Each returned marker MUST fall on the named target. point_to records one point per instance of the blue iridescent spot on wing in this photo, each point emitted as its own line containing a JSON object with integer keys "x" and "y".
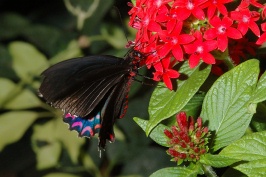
{"x": 85, "y": 126}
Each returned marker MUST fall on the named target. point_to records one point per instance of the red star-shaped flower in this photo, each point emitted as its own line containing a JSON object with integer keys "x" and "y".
{"x": 184, "y": 8}
{"x": 222, "y": 30}
{"x": 172, "y": 41}
{"x": 246, "y": 3}
{"x": 214, "y": 5}
{"x": 200, "y": 49}
{"x": 164, "y": 72}
{"x": 246, "y": 20}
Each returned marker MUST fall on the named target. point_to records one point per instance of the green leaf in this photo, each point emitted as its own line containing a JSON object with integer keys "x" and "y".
{"x": 48, "y": 155}
{"x": 111, "y": 33}
{"x": 217, "y": 161}
{"x": 260, "y": 92}
{"x": 69, "y": 139}
{"x": 157, "y": 133}
{"x": 165, "y": 103}
{"x": 231, "y": 172}
{"x": 258, "y": 121}
{"x": 48, "y": 39}
{"x": 12, "y": 25}
{"x": 6, "y": 69}
{"x": 249, "y": 148}
{"x": 13, "y": 125}
{"x": 45, "y": 145}
{"x": 14, "y": 97}
{"x": 193, "y": 107}
{"x": 174, "y": 172}
{"x": 226, "y": 105}
{"x": 72, "y": 51}
{"x": 254, "y": 168}
{"x": 96, "y": 18}
{"x": 27, "y": 60}
{"x": 133, "y": 2}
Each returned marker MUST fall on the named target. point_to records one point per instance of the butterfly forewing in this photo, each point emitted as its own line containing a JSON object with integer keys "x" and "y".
{"x": 78, "y": 85}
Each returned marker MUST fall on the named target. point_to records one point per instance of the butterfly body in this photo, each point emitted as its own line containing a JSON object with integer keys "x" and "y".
{"x": 92, "y": 91}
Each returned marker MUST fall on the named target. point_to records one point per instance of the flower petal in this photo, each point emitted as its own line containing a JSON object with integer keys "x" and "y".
{"x": 222, "y": 42}
{"x": 210, "y": 34}
{"x": 185, "y": 38}
{"x": 198, "y": 13}
{"x": 210, "y": 45}
{"x": 167, "y": 82}
{"x": 243, "y": 28}
{"x": 254, "y": 28}
{"x": 208, "y": 58}
{"x": 233, "y": 33}
{"x": 177, "y": 52}
{"x": 173, "y": 73}
{"x": 262, "y": 39}
{"x": 193, "y": 60}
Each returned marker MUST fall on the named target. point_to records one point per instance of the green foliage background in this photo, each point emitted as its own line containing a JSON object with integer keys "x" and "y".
{"x": 34, "y": 141}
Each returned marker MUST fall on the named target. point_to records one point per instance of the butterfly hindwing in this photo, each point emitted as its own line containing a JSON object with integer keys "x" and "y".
{"x": 112, "y": 110}
{"x": 85, "y": 126}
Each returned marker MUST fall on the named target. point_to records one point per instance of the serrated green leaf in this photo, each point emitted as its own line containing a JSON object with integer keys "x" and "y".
{"x": 13, "y": 96}
{"x": 13, "y": 125}
{"x": 217, "y": 161}
{"x": 254, "y": 168}
{"x": 226, "y": 105}
{"x": 250, "y": 147}
{"x": 174, "y": 172}
{"x": 157, "y": 134}
{"x": 165, "y": 103}
{"x": 260, "y": 92}
{"x": 27, "y": 60}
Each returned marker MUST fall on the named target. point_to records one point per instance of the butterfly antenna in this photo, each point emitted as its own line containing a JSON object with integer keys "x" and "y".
{"x": 123, "y": 26}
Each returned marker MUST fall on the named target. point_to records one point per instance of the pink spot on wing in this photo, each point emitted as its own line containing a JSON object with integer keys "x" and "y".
{"x": 77, "y": 124}
{"x": 87, "y": 129}
{"x": 69, "y": 115}
{"x": 112, "y": 137}
{"x": 97, "y": 126}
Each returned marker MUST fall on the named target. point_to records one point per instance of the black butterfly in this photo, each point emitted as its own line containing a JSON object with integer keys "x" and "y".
{"x": 92, "y": 91}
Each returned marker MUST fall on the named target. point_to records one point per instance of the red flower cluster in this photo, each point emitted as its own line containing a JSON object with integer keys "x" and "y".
{"x": 188, "y": 140}
{"x": 170, "y": 31}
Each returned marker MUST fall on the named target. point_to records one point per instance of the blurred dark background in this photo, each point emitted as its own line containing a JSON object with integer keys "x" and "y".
{"x": 34, "y": 141}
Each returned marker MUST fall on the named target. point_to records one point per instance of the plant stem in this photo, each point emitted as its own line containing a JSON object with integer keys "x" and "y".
{"x": 229, "y": 62}
{"x": 79, "y": 13}
{"x": 208, "y": 171}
